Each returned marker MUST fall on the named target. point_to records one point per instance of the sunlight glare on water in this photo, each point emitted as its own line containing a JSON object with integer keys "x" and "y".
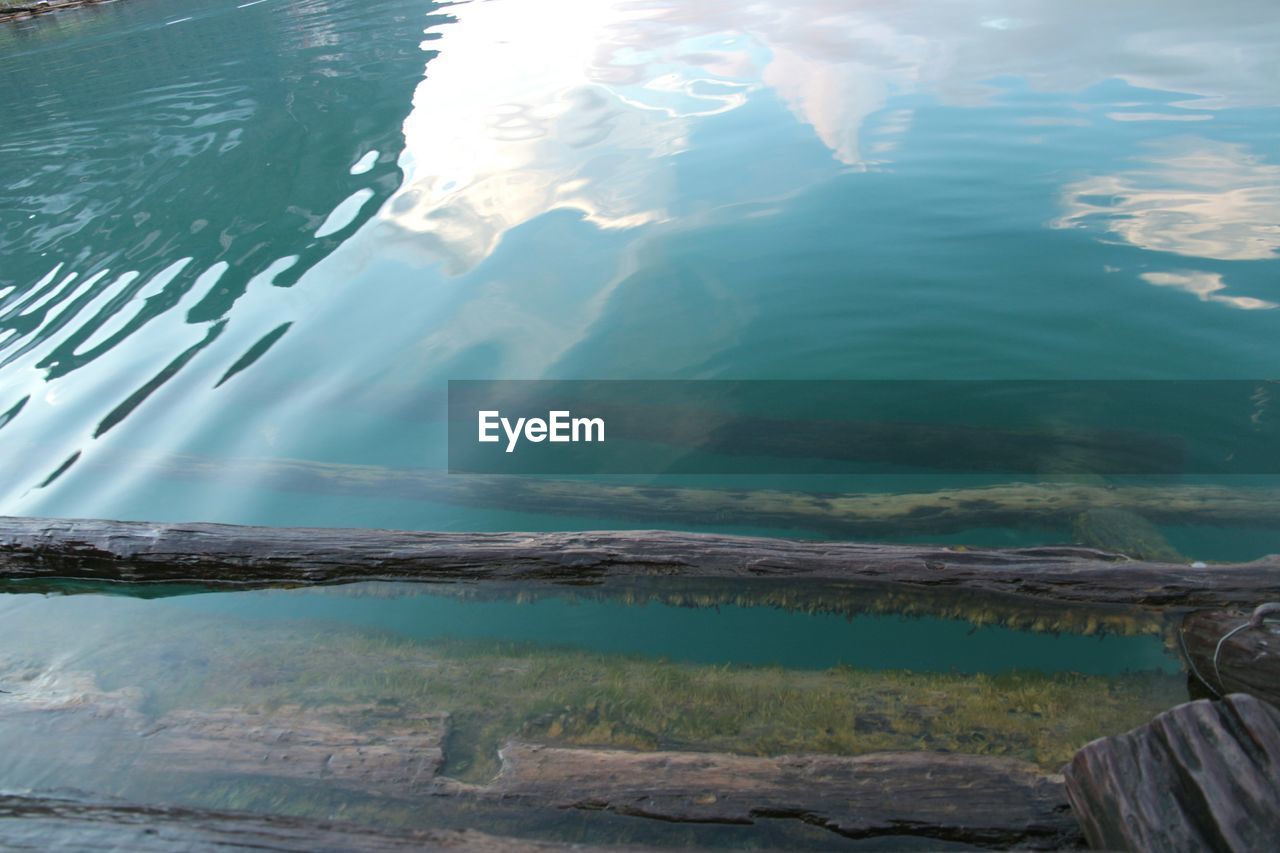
{"x": 273, "y": 231}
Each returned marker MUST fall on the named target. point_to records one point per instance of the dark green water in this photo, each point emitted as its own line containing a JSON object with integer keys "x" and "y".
{"x": 275, "y": 230}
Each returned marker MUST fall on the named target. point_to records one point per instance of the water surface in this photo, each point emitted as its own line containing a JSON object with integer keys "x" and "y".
{"x": 275, "y": 230}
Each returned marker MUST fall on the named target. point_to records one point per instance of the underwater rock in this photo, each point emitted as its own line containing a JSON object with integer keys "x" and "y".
{"x": 1202, "y": 776}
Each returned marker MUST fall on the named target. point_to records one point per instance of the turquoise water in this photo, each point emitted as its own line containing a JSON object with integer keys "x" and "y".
{"x": 245, "y": 246}
{"x": 236, "y": 233}
{"x": 725, "y": 635}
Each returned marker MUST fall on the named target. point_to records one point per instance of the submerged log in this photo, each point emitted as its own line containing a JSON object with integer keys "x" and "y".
{"x": 19, "y": 12}
{"x": 1233, "y": 654}
{"x": 356, "y": 748}
{"x": 103, "y": 738}
{"x": 869, "y": 514}
{"x": 234, "y": 555}
{"x": 48, "y": 823}
{"x": 981, "y": 800}
{"x": 1203, "y": 776}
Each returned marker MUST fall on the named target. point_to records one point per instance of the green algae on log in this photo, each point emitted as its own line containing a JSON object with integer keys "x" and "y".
{"x": 237, "y": 555}
{"x": 867, "y": 514}
{"x": 981, "y": 800}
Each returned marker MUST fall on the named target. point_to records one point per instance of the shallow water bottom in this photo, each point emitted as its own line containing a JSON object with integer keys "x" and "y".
{"x": 359, "y": 702}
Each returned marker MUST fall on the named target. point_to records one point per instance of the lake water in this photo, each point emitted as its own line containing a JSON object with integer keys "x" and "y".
{"x": 215, "y": 699}
{"x": 244, "y": 246}
{"x": 242, "y": 233}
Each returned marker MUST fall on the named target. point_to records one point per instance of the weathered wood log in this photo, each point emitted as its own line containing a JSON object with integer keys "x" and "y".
{"x": 982, "y": 800}
{"x": 320, "y": 745}
{"x": 870, "y": 514}
{"x": 1248, "y": 660}
{"x": 11, "y": 13}
{"x": 100, "y": 735}
{"x": 234, "y": 555}
{"x": 1203, "y": 776}
{"x": 47, "y": 823}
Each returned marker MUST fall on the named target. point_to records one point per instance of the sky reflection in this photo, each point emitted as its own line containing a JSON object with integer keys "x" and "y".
{"x": 308, "y": 223}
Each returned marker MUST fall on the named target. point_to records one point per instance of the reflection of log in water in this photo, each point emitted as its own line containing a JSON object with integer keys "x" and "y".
{"x": 1018, "y": 505}
{"x": 141, "y": 552}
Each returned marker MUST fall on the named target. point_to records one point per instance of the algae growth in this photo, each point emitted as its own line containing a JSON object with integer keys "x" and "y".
{"x": 498, "y": 691}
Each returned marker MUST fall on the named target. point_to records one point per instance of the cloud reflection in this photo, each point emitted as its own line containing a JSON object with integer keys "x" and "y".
{"x": 1207, "y": 286}
{"x": 582, "y": 104}
{"x": 1194, "y": 197}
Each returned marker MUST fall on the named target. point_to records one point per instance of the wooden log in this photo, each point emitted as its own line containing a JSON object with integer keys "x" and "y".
{"x": 865, "y": 515}
{"x": 1203, "y": 776}
{"x": 1248, "y": 659}
{"x": 320, "y": 745}
{"x": 48, "y": 823}
{"x": 981, "y": 800}
{"x": 99, "y": 735}
{"x": 232, "y": 555}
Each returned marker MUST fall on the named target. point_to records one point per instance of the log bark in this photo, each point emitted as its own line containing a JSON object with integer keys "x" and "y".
{"x": 13, "y": 13}
{"x": 232, "y": 555}
{"x": 46, "y": 823}
{"x": 981, "y": 800}
{"x": 1203, "y": 776}
{"x": 1249, "y": 660}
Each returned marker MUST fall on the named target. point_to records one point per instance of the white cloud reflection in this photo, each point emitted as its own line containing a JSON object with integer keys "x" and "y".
{"x": 1193, "y": 197}
{"x": 1207, "y": 286}
{"x": 582, "y": 104}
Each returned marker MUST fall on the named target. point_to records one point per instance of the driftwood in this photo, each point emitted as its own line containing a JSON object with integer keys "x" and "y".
{"x": 869, "y": 514}
{"x": 354, "y": 748}
{"x": 98, "y": 735}
{"x": 1248, "y": 660}
{"x": 983, "y": 800}
{"x": 1203, "y": 776}
{"x": 46, "y": 823}
{"x": 234, "y": 555}
{"x": 17, "y": 13}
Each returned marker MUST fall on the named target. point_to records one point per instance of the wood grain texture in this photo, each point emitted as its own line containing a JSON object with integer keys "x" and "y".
{"x": 1203, "y": 776}
{"x": 231, "y": 555}
{"x": 47, "y": 823}
{"x": 1249, "y": 661}
{"x": 981, "y": 800}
